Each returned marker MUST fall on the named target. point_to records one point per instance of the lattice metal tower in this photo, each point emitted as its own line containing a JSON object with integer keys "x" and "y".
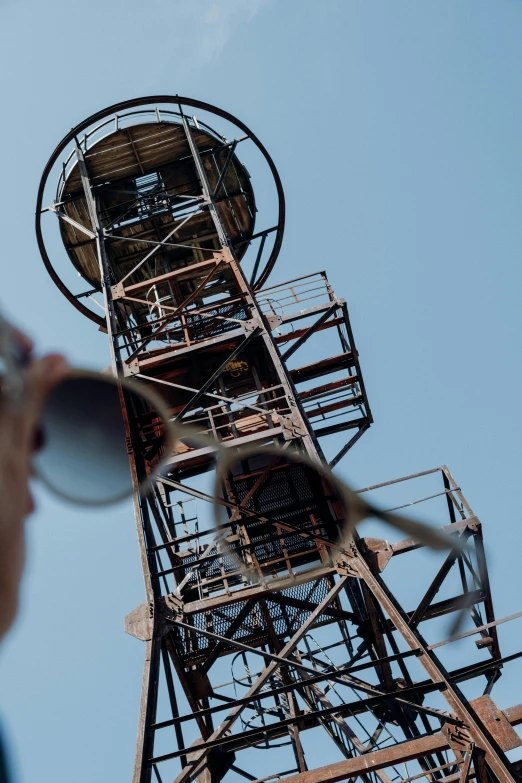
{"x": 316, "y": 672}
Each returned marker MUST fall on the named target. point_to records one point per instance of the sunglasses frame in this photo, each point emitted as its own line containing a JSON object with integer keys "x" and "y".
{"x": 357, "y": 507}
{"x": 225, "y": 456}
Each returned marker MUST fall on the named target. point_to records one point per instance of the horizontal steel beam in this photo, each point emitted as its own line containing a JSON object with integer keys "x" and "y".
{"x": 379, "y": 759}
{"x": 373, "y": 760}
{"x": 189, "y": 271}
{"x": 409, "y": 544}
{"x": 208, "y": 604}
{"x": 177, "y": 353}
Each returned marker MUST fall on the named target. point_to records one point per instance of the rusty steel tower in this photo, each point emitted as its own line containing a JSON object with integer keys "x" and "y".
{"x": 323, "y": 669}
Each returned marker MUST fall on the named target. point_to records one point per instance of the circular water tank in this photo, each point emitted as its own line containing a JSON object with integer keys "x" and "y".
{"x": 145, "y": 181}
{"x": 151, "y": 213}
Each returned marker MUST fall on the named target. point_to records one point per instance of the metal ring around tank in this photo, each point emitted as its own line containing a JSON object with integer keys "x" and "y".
{"x": 114, "y": 109}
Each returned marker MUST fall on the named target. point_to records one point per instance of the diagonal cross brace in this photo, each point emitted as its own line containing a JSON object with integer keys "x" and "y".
{"x": 228, "y": 161}
{"x": 311, "y": 329}
{"x": 434, "y": 588}
{"x": 194, "y": 767}
{"x": 234, "y": 626}
{"x": 218, "y": 397}
{"x": 344, "y": 678}
{"x": 464, "y": 771}
{"x": 320, "y": 695}
{"x": 86, "y": 182}
{"x": 157, "y": 247}
{"x": 206, "y": 386}
{"x": 176, "y": 311}
{"x": 74, "y": 223}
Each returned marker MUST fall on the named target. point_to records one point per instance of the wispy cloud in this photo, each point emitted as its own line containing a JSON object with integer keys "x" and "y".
{"x": 221, "y": 19}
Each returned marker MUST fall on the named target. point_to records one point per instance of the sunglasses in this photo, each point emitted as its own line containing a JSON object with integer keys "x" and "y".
{"x": 284, "y": 499}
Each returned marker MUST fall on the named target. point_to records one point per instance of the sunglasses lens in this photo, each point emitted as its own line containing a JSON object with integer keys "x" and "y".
{"x": 289, "y": 516}
{"x": 82, "y": 441}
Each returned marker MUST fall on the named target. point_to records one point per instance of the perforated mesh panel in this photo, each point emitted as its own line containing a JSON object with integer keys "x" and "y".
{"x": 208, "y": 325}
{"x": 253, "y": 629}
{"x": 293, "y": 494}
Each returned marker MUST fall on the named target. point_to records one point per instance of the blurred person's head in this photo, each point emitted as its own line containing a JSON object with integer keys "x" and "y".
{"x": 18, "y": 427}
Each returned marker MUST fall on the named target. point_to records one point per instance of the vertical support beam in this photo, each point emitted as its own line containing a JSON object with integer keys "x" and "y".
{"x": 258, "y": 259}
{"x": 488, "y": 602}
{"x": 105, "y": 278}
{"x": 148, "y": 704}
{"x": 434, "y": 588}
{"x": 173, "y": 701}
{"x": 203, "y": 181}
{"x": 479, "y": 762}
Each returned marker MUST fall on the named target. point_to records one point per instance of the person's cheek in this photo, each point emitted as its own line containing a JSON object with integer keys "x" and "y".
{"x": 18, "y": 554}
{"x": 11, "y": 569}
{"x": 30, "y": 507}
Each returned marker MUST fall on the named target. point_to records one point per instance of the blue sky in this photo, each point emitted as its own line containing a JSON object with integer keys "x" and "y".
{"x": 396, "y": 129}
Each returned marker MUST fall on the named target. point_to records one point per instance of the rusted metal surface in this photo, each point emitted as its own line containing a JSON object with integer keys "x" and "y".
{"x": 157, "y": 212}
{"x": 514, "y": 714}
{"x": 380, "y": 759}
{"x": 496, "y": 722}
{"x": 138, "y": 103}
